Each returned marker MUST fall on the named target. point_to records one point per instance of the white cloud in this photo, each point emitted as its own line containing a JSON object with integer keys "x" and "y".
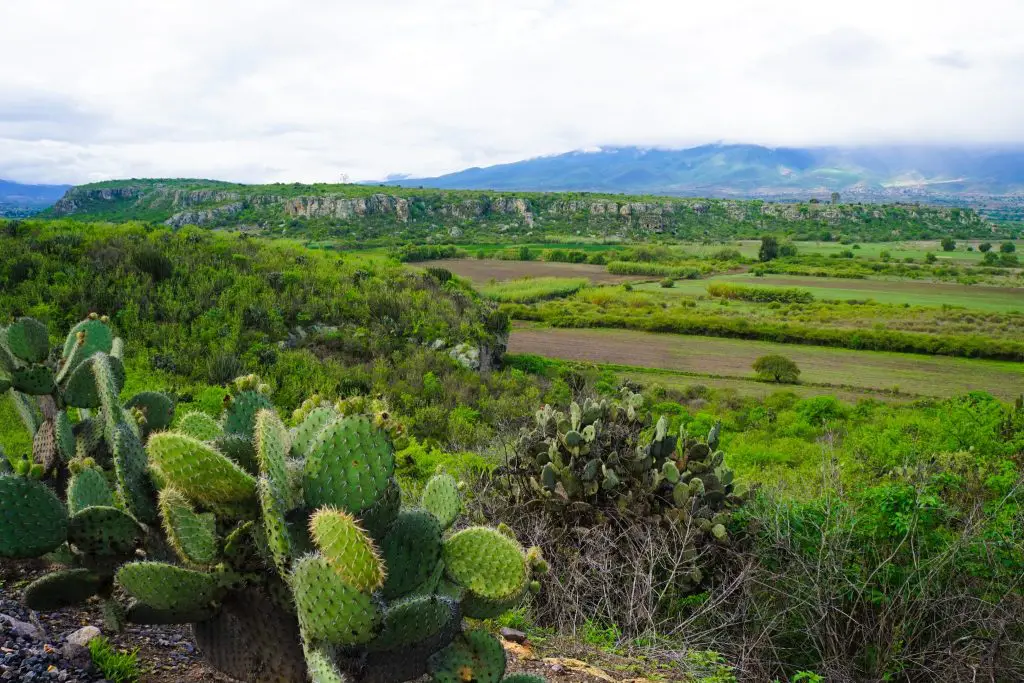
{"x": 278, "y": 90}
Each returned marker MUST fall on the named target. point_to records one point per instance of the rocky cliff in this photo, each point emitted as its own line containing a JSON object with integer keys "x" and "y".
{"x": 179, "y": 203}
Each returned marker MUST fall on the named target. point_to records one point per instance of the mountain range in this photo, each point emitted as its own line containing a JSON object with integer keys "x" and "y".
{"x": 875, "y": 172}
{"x": 17, "y": 199}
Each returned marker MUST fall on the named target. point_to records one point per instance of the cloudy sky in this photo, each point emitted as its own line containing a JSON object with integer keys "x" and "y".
{"x": 275, "y": 90}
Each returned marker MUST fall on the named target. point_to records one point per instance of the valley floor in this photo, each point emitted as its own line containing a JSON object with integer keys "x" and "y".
{"x": 856, "y": 371}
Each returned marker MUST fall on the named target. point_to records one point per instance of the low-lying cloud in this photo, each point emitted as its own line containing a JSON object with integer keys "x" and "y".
{"x": 313, "y": 90}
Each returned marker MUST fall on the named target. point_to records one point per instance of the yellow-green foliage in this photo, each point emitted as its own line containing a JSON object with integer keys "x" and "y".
{"x": 533, "y": 289}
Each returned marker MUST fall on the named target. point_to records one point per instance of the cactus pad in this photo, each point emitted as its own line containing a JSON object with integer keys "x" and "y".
{"x": 34, "y": 380}
{"x": 320, "y": 667}
{"x": 489, "y": 564}
{"x": 411, "y": 549}
{"x": 32, "y": 519}
{"x": 346, "y": 546}
{"x": 272, "y": 444}
{"x": 156, "y": 406}
{"x": 199, "y": 471}
{"x": 87, "y": 488}
{"x": 381, "y": 515}
{"x": 328, "y": 608}
{"x": 241, "y": 414}
{"x": 96, "y": 336}
{"x": 192, "y": 535}
{"x": 275, "y": 524}
{"x": 199, "y": 425}
{"x": 65, "y": 433}
{"x": 130, "y": 467}
{"x": 410, "y": 621}
{"x": 141, "y": 613}
{"x": 28, "y": 340}
{"x": 474, "y": 656}
{"x": 239, "y": 450}
{"x": 62, "y": 589}
{"x": 101, "y": 531}
{"x": 308, "y": 430}
{"x": 349, "y": 466}
{"x": 441, "y": 498}
{"x": 166, "y": 587}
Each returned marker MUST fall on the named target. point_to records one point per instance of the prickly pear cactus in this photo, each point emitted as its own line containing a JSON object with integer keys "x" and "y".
{"x": 57, "y": 499}
{"x": 606, "y": 457}
{"x": 317, "y": 543}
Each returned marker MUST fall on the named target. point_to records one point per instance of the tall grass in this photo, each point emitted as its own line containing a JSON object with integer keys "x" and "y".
{"x": 528, "y": 290}
{"x": 687, "y": 272}
{"x": 786, "y": 295}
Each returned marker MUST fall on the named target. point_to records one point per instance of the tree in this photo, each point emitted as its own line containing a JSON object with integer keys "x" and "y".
{"x": 769, "y": 248}
{"x": 775, "y": 368}
{"x": 929, "y": 257}
{"x": 990, "y": 259}
{"x": 1007, "y": 247}
{"x": 985, "y": 247}
{"x": 835, "y": 197}
{"x": 948, "y": 244}
{"x": 787, "y": 249}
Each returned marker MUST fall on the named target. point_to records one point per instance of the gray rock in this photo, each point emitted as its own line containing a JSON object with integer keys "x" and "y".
{"x": 23, "y": 628}
{"x": 512, "y": 635}
{"x": 76, "y": 646}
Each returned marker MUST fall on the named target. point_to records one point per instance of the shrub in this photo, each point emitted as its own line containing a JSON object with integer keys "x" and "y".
{"x": 948, "y": 244}
{"x": 668, "y": 283}
{"x": 1007, "y": 247}
{"x": 223, "y": 367}
{"x": 776, "y": 368}
{"x": 769, "y": 249}
{"x": 985, "y": 247}
{"x": 930, "y": 257}
{"x": 760, "y": 294}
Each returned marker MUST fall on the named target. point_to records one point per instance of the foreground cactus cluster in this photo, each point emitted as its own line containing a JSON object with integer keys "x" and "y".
{"x": 288, "y": 550}
{"x": 96, "y": 464}
{"x": 596, "y": 458}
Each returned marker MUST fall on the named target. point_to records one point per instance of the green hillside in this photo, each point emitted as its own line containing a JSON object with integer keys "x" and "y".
{"x": 391, "y": 214}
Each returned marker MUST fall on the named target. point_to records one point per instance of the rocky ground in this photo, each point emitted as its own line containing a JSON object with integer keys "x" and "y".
{"x": 43, "y": 647}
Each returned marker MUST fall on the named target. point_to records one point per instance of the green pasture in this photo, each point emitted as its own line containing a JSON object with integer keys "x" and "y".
{"x": 898, "y": 292}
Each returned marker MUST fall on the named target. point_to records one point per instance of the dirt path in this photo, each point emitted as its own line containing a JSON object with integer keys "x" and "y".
{"x": 868, "y": 370}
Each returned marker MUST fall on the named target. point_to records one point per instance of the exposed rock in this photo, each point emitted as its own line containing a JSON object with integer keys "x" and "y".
{"x": 76, "y": 646}
{"x": 204, "y": 216}
{"x": 513, "y": 635}
{"x": 343, "y": 207}
{"x": 22, "y": 629}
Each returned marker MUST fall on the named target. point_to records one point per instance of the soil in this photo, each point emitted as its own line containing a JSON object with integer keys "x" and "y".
{"x": 481, "y": 271}
{"x": 167, "y": 654}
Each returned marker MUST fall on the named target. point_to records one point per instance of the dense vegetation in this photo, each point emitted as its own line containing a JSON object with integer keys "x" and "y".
{"x": 198, "y": 309}
{"x": 361, "y": 213}
{"x": 767, "y": 538}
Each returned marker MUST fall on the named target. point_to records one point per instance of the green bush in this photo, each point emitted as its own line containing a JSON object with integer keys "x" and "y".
{"x": 777, "y": 368}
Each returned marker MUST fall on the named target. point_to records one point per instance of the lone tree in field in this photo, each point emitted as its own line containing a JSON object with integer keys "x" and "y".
{"x": 985, "y": 247}
{"x": 948, "y": 244}
{"x": 769, "y": 248}
{"x": 1007, "y": 247}
{"x": 777, "y": 368}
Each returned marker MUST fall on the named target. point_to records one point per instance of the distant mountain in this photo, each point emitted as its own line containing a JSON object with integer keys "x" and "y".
{"x": 23, "y": 200}
{"x": 880, "y": 172}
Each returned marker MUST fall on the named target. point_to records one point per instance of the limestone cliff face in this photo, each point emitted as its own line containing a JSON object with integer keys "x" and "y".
{"x": 204, "y": 216}
{"x": 340, "y": 207}
{"x": 76, "y": 197}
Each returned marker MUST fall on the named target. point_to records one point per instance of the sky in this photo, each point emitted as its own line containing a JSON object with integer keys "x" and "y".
{"x": 305, "y": 90}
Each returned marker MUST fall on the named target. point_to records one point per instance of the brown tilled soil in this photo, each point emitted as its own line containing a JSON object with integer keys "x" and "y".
{"x": 483, "y": 270}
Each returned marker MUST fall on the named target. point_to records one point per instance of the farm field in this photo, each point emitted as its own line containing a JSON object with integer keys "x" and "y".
{"x": 867, "y": 370}
{"x": 912, "y": 292}
{"x": 915, "y": 249}
{"x": 480, "y": 271}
